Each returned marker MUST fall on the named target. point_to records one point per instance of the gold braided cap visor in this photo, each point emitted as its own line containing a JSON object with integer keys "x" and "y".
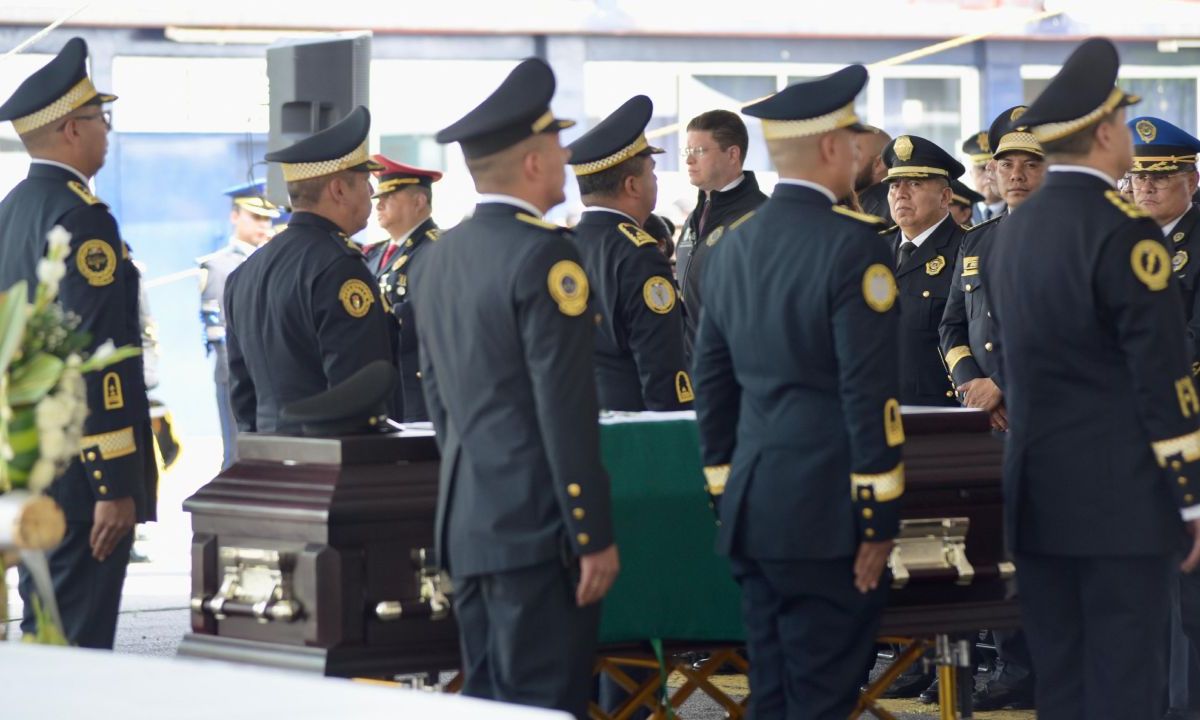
{"x": 293, "y": 172}
{"x": 785, "y": 129}
{"x": 79, "y": 95}
{"x": 1055, "y": 131}
{"x": 1021, "y": 141}
{"x": 620, "y": 156}
{"x": 1162, "y": 163}
{"x": 915, "y": 171}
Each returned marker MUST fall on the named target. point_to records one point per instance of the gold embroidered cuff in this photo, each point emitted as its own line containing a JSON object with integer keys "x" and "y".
{"x": 1187, "y": 446}
{"x": 112, "y": 445}
{"x": 1055, "y": 131}
{"x": 885, "y": 486}
{"x": 956, "y": 354}
{"x": 716, "y": 476}
{"x": 783, "y": 129}
{"x": 309, "y": 170}
{"x": 79, "y": 94}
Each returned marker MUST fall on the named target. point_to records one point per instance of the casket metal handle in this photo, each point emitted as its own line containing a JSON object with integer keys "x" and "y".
{"x": 931, "y": 544}
{"x": 434, "y": 602}
{"x": 256, "y": 584}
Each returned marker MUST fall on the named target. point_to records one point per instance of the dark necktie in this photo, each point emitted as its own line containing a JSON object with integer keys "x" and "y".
{"x": 703, "y": 217}
{"x": 987, "y": 213}
{"x": 906, "y": 251}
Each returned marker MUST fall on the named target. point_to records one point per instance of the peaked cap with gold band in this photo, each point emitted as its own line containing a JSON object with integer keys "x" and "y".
{"x": 964, "y": 195}
{"x": 909, "y": 156}
{"x": 615, "y": 139}
{"x": 397, "y": 176}
{"x": 1082, "y": 93}
{"x": 518, "y": 109}
{"x": 1160, "y": 147}
{"x": 250, "y": 196}
{"x": 978, "y": 148}
{"x": 341, "y": 146}
{"x": 54, "y": 91}
{"x": 1007, "y": 134}
{"x": 813, "y": 107}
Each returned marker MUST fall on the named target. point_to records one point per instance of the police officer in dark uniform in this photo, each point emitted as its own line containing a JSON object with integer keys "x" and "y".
{"x": 1101, "y": 458}
{"x": 796, "y": 398}
{"x": 303, "y": 313}
{"x": 523, "y": 519}
{"x": 251, "y": 217}
{"x": 924, "y": 244}
{"x": 962, "y": 203}
{"x": 639, "y": 332}
{"x": 715, "y": 153}
{"x": 978, "y": 149}
{"x": 60, "y": 118}
{"x": 404, "y": 207}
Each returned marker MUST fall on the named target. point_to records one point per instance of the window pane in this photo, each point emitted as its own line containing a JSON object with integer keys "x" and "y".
{"x": 928, "y": 107}
{"x": 1172, "y": 99}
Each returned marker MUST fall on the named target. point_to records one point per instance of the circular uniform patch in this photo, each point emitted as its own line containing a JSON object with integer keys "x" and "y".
{"x": 569, "y": 287}
{"x": 356, "y": 297}
{"x": 879, "y": 288}
{"x": 1151, "y": 264}
{"x": 659, "y": 294}
{"x": 97, "y": 262}
{"x": 714, "y": 236}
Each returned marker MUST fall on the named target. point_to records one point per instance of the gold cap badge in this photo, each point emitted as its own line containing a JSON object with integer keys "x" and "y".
{"x": 904, "y": 148}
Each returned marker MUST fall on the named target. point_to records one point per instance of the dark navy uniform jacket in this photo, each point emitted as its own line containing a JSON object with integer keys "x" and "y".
{"x": 1184, "y": 245}
{"x": 970, "y": 340}
{"x": 1098, "y": 383}
{"x": 302, "y": 314}
{"x": 796, "y": 381}
{"x": 101, "y": 287}
{"x": 696, "y": 242}
{"x": 394, "y": 285}
{"x": 506, "y": 358}
{"x": 924, "y": 281}
{"x": 639, "y": 326}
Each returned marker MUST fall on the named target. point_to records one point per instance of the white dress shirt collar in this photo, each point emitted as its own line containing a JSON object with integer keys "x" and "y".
{"x": 920, "y": 239}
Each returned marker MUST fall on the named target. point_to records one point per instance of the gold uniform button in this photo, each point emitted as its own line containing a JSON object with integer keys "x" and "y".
{"x": 868, "y": 513}
{"x": 1189, "y": 498}
{"x": 989, "y": 313}
{"x": 577, "y": 513}
{"x": 103, "y": 489}
{"x": 949, "y": 393}
{"x": 1176, "y": 465}
{"x": 574, "y": 490}
{"x": 869, "y": 532}
{"x": 865, "y": 494}
{"x": 968, "y": 287}
{"x": 418, "y": 374}
{"x": 583, "y": 538}
{"x": 1182, "y": 481}
{"x": 91, "y": 455}
{"x": 925, "y": 294}
{"x": 988, "y": 346}
{"x": 97, "y": 474}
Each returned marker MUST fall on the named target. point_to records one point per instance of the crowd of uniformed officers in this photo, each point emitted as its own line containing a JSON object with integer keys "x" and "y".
{"x": 796, "y": 325}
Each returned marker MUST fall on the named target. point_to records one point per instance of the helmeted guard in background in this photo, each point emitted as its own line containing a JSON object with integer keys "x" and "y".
{"x": 1101, "y": 458}
{"x": 60, "y": 118}
{"x": 639, "y": 327}
{"x": 303, "y": 313}
{"x": 923, "y": 244}
{"x": 523, "y": 519}
{"x": 404, "y": 207}
{"x": 796, "y": 398}
{"x": 251, "y": 217}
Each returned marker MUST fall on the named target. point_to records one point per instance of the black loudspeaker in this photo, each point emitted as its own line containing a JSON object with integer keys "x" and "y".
{"x": 314, "y": 83}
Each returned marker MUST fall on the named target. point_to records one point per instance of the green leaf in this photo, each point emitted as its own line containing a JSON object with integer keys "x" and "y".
{"x": 32, "y": 380}
{"x": 12, "y": 322}
{"x": 124, "y": 352}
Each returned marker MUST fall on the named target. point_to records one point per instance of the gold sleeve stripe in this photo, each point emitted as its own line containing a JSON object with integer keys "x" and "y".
{"x": 886, "y": 486}
{"x": 112, "y": 445}
{"x": 716, "y": 476}
{"x": 956, "y": 354}
{"x": 1187, "y": 446}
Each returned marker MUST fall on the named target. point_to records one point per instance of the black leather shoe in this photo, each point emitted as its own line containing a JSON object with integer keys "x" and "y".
{"x": 909, "y": 685}
{"x": 998, "y": 697}
{"x": 929, "y": 695}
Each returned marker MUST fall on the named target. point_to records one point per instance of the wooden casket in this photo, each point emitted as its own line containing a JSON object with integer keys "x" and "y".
{"x": 315, "y": 554}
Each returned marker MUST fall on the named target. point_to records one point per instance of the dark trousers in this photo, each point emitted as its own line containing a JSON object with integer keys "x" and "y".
{"x": 225, "y": 407}
{"x": 1097, "y": 631}
{"x": 1014, "y": 666}
{"x": 1189, "y": 603}
{"x": 524, "y": 640}
{"x": 88, "y": 592}
{"x": 809, "y": 634}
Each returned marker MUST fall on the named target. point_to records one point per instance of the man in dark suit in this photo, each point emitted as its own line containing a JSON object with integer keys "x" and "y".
{"x": 523, "y": 518}
{"x": 924, "y": 245}
{"x": 303, "y": 313}
{"x": 639, "y": 329}
{"x": 1105, "y": 419}
{"x": 800, "y": 429}
{"x": 60, "y": 118}
{"x": 404, "y": 207}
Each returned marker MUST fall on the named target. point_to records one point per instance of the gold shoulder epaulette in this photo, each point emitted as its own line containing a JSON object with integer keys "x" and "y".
{"x": 81, "y": 190}
{"x": 1124, "y": 205}
{"x": 989, "y": 221}
{"x": 537, "y": 222}
{"x": 873, "y": 220}
{"x": 433, "y": 234}
{"x": 636, "y": 235}
{"x": 742, "y": 219}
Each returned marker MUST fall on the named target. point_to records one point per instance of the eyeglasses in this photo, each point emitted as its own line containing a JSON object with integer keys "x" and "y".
{"x": 696, "y": 152}
{"x": 1158, "y": 180}
{"x": 105, "y": 115}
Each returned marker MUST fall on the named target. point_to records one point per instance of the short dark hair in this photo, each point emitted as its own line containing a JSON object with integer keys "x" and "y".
{"x": 726, "y": 128}
{"x": 306, "y": 193}
{"x": 1077, "y": 143}
{"x": 608, "y": 183}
